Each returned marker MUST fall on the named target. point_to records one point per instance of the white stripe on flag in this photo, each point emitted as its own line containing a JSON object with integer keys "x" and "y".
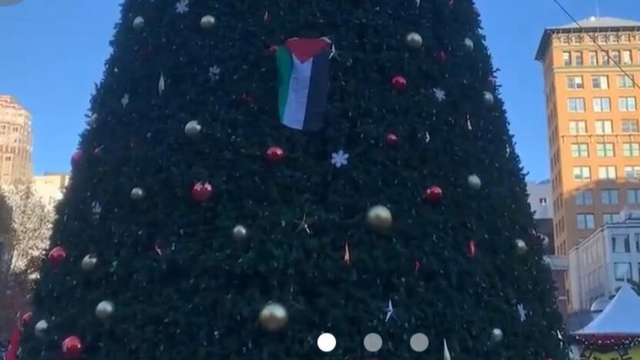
{"x": 296, "y": 105}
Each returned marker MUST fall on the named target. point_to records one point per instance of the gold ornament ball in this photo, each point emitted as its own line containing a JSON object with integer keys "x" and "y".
{"x": 414, "y": 40}
{"x": 488, "y": 98}
{"x": 379, "y": 217}
{"x": 521, "y": 246}
{"x": 207, "y": 22}
{"x": 474, "y": 182}
{"x": 104, "y": 310}
{"x": 469, "y": 44}
{"x": 496, "y": 335}
{"x": 89, "y": 263}
{"x": 40, "y": 329}
{"x": 192, "y": 129}
{"x": 273, "y": 317}
{"x": 138, "y": 22}
{"x": 240, "y": 232}
{"x": 137, "y": 194}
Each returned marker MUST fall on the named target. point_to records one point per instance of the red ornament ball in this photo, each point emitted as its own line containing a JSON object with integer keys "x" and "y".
{"x": 71, "y": 348}
{"x": 76, "y": 158}
{"x": 442, "y": 56}
{"x": 433, "y": 195}
{"x": 26, "y": 318}
{"x": 201, "y": 191}
{"x": 57, "y": 256}
{"x": 274, "y": 154}
{"x": 391, "y": 139}
{"x": 399, "y": 83}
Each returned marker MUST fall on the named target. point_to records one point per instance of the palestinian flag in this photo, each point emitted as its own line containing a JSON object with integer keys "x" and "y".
{"x": 303, "y": 67}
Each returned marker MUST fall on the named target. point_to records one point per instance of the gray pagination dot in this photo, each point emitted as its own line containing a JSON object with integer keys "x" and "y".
{"x": 373, "y": 342}
{"x": 419, "y": 342}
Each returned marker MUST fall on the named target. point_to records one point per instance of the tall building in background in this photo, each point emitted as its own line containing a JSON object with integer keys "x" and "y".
{"x": 15, "y": 142}
{"x": 540, "y": 195}
{"x": 592, "y": 113}
{"x": 50, "y": 186}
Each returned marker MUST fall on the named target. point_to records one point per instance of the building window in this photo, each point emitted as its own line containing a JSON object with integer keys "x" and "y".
{"x": 585, "y": 197}
{"x": 626, "y": 57}
{"x": 602, "y": 39}
{"x": 600, "y": 82}
{"x": 622, "y": 271}
{"x": 605, "y": 58}
{"x": 605, "y": 150}
{"x": 585, "y": 221}
{"x": 575, "y": 83}
{"x": 601, "y": 104}
{"x": 566, "y": 58}
{"x": 625, "y": 81}
{"x": 609, "y": 196}
{"x": 606, "y": 172}
{"x": 609, "y": 218}
{"x": 633, "y": 196}
{"x": 604, "y": 127}
{"x": 625, "y": 38}
{"x": 578, "y": 58}
{"x": 632, "y": 172}
{"x": 7, "y": 158}
{"x": 576, "y": 105}
{"x": 627, "y": 103}
{"x": 577, "y": 127}
{"x": 615, "y": 56}
{"x": 637, "y": 238}
{"x": 582, "y": 173}
{"x": 579, "y": 150}
{"x": 613, "y": 39}
{"x": 593, "y": 58}
{"x": 576, "y": 39}
{"x": 543, "y": 201}
{"x": 629, "y": 126}
{"x": 631, "y": 149}
{"x": 620, "y": 244}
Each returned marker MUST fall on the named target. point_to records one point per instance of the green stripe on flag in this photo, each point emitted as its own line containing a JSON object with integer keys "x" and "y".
{"x": 285, "y": 67}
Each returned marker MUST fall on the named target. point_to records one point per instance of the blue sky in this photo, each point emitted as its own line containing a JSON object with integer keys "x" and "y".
{"x": 52, "y": 53}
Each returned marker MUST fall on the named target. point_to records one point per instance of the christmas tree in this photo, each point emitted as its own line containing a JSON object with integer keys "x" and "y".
{"x": 257, "y": 173}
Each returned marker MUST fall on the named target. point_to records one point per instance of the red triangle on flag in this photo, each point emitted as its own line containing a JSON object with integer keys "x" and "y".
{"x": 305, "y": 49}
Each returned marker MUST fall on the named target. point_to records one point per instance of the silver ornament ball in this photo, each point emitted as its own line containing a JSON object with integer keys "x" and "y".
{"x": 207, "y": 22}
{"x": 496, "y": 335}
{"x": 137, "y": 193}
{"x": 89, "y": 262}
{"x": 138, "y": 22}
{"x": 474, "y": 182}
{"x": 240, "y": 232}
{"x": 379, "y": 217}
{"x": 41, "y": 328}
{"x": 469, "y": 44}
{"x": 192, "y": 129}
{"x": 414, "y": 40}
{"x": 521, "y": 246}
{"x": 104, "y": 310}
{"x": 488, "y": 98}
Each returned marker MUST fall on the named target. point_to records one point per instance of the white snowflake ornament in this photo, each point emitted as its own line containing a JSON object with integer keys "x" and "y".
{"x": 214, "y": 73}
{"x": 125, "y": 100}
{"x": 339, "y": 159}
{"x": 522, "y": 312}
{"x": 182, "y": 6}
{"x": 440, "y": 94}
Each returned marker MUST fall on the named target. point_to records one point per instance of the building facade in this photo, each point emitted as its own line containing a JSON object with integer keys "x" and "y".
{"x": 592, "y": 121}
{"x": 51, "y": 186}
{"x": 603, "y": 262}
{"x": 15, "y": 142}
{"x": 540, "y": 195}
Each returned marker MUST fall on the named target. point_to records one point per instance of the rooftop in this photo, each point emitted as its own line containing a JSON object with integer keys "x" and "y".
{"x": 590, "y": 23}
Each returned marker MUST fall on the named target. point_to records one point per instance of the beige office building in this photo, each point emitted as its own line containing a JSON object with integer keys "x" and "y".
{"x": 51, "y": 186}
{"x": 15, "y": 142}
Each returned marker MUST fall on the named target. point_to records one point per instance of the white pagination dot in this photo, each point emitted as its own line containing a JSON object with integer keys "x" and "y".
{"x": 326, "y": 342}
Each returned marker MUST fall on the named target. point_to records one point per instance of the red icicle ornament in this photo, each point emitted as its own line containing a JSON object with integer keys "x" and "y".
{"x": 26, "y": 318}
{"x": 201, "y": 191}
{"x": 472, "y": 249}
{"x": 391, "y": 139}
{"x": 57, "y": 256}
